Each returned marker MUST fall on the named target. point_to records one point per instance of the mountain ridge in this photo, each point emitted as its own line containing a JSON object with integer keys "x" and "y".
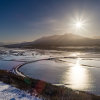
{"x": 59, "y": 40}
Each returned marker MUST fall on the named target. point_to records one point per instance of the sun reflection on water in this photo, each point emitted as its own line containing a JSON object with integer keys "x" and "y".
{"x": 77, "y": 77}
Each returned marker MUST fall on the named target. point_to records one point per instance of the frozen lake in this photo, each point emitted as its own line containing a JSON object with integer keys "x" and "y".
{"x": 78, "y": 75}
{"x": 77, "y": 70}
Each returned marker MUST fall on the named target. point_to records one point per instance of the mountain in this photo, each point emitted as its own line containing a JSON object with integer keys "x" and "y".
{"x": 59, "y": 40}
{"x": 1, "y": 43}
{"x": 5, "y": 43}
{"x": 66, "y": 40}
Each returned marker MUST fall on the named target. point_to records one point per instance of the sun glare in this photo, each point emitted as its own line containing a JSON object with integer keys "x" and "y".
{"x": 77, "y": 77}
{"x": 79, "y": 25}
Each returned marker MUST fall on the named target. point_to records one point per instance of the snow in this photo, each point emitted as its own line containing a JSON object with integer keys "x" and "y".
{"x": 8, "y": 92}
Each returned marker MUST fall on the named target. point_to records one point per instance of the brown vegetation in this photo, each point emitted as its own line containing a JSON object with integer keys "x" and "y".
{"x": 44, "y": 89}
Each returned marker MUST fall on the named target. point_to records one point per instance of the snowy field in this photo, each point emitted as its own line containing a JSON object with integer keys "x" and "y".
{"x": 8, "y": 92}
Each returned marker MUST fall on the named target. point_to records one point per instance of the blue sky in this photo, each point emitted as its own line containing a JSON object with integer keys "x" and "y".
{"x": 26, "y": 20}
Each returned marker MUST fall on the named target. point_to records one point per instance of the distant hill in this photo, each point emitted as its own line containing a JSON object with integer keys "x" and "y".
{"x": 59, "y": 40}
{"x": 1, "y": 43}
{"x": 4, "y": 43}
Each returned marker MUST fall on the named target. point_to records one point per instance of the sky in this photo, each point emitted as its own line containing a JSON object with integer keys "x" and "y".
{"x": 27, "y": 20}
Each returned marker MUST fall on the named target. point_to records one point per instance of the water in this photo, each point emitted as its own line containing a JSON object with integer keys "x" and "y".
{"x": 79, "y": 71}
{"x": 8, "y": 65}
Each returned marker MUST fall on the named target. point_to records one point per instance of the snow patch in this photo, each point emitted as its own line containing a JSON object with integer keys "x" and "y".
{"x": 8, "y": 92}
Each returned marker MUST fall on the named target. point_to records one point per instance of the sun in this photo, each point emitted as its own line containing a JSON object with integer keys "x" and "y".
{"x": 79, "y": 25}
